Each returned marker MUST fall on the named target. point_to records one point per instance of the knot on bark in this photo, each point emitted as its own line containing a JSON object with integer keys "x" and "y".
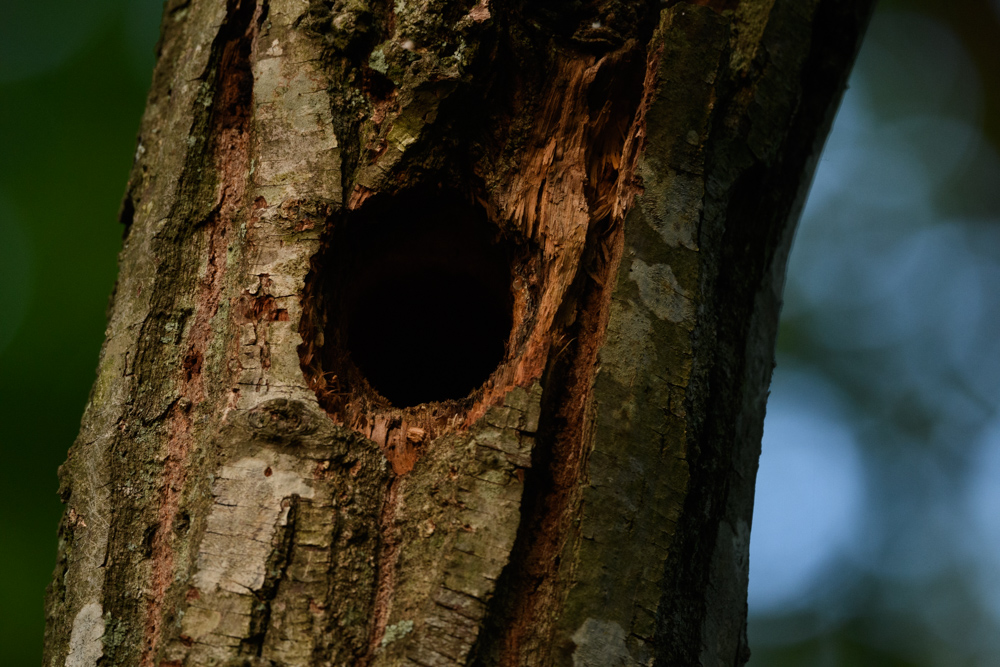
{"x": 281, "y": 419}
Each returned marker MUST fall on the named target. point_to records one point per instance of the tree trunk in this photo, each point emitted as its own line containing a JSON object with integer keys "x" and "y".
{"x": 443, "y": 333}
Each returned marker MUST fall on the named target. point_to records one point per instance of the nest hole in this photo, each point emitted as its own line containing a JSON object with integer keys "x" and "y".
{"x": 419, "y": 299}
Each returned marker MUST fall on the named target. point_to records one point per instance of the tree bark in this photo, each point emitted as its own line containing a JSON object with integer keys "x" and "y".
{"x": 443, "y": 332}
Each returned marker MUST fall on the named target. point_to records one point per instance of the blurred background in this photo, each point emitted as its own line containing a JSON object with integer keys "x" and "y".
{"x": 876, "y": 537}
{"x": 876, "y": 533}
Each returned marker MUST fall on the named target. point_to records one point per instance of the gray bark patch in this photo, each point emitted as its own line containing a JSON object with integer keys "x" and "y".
{"x": 85, "y": 646}
{"x": 601, "y": 644}
{"x": 248, "y": 508}
{"x": 661, "y": 292}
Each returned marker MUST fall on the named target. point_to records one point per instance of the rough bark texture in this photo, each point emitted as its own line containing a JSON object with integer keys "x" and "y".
{"x": 620, "y": 177}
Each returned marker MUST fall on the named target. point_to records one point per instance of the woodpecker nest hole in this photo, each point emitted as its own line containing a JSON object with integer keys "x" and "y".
{"x": 417, "y": 297}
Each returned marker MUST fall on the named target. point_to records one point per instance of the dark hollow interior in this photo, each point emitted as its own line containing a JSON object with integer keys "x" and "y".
{"x": 420, "y": 300}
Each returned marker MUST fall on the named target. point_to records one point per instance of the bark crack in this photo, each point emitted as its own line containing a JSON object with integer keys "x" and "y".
{"x": 228, "y": 126}
{"x": 276, "y": 570}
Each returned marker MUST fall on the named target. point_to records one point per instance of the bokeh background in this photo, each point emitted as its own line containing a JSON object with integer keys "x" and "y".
{"x": 876, "y": 537}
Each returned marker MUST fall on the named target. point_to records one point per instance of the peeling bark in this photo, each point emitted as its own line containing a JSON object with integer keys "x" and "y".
{"x": 317, "y": 185}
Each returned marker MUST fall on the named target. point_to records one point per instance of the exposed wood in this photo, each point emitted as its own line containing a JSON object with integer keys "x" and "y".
{"x": 616, "y": 182}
